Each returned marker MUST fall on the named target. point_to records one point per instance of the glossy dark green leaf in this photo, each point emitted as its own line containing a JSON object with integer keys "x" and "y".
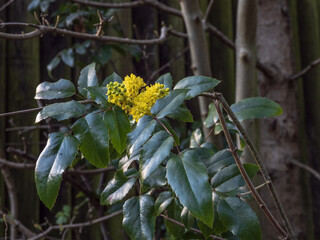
{"x": 141, "y": 133}
{"x": 239, "y": 218}
{"x": 229, "y": 178}
{"x": 112, "y": 78}
{"x": 58, "y": 154}
{"x": 53, "y": 64}
{"x": 139, "y": 217}
{"x": 154, "y": 151}
{"x": 61, "y": 111}
{"x": 87, "y": 78}
{"x": 219, "y": 160}
{"x": 256, "y": 107}
{"x": 98, "y": 94}
{"x": 117, "y": 188}
{"x": 163, "y": 201}
{"x": 206, "y": 231}
{"x": 218, "y": 226}
{"x": 196, "y": 85}
{"x": 187, "y": 218}
{"x": 174, "y": 211}
{"x": 212, "y": 117}
{"x": 196, "y": 138}
{"x": 60, "y": 89}
{"x": 169, "y": 103}
{"x": 155, "y": 179}
{"x": 167, "y": 127}
{"x": 165, "y": 79}
{"x": 67, "y": 57}
{"x": 93, "y": 135}
{"x": 104, "y": 55}
{"x": 182, "y": 114}
{"x": 189, "y": 180}
{"x": 119, "y": 126}
{"x": 33, "y": 5}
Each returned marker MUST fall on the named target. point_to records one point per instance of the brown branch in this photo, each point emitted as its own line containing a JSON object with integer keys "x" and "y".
{"x": 41, "y": 30}
{"x": 14, "y": 222}
{"x": 177, "y": 34}
{"x": 75, "y": 225}
{"x": 21, "y": 153}
{"x": 305, "y": 70}
{"x": 205, "y": 18}
{"x": 245, "y": 176}
{"x": 9, "y": 164}
{"x": 6, "y": 5}
{"x": 256, "y": 157}
{"x": 192, "y": 229}
{"x": 153, "y": 3}
{"x": 305, "y": 167}
{"x": 33, "y": 110}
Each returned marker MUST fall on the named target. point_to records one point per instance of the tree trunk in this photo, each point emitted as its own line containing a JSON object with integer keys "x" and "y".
{"x": 246, "y": 62}
{"x": 280, "y": 135}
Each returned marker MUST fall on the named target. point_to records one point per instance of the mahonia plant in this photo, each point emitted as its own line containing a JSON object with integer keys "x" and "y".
{"x": 198, "y": 186}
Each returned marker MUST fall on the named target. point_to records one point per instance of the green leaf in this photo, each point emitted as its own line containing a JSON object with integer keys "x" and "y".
{"x": 87, "y": 78}
{"x": 168, "y": 128}
{"x": 196, "y": 85}
{"x": 155, "y": 179}
{"x": 98, "y": 94}
{"x": 104, "y": 54}
{"x": 53, "y": 64}
{"x": 139, "y": 217}
{"x": 229, "y": 178}
{"x": 206, "y": 231}
{"x": 189, "y": 180}
{"x": 61, "y": 111}
{"x": 187, "y": 218}
{"x": 141, "y": 133}
{"x": 169, "y": 103}
{"x": 33, "y": 5}
{"x": 163, "y": 201}
{"x": 218, "y": 161}
{"x": 60, "y": 89}
{"x": 67, "y": 56}
{"x": 239, "y": 218}
{"x": 212, "y": 117}
{"x": 256, "y": 107}
{"x": 117, "y": 188}
{"x": 218, "y": 227}
{"x": 58, "y": 154}
{"x": 93, "y": 136}
{"x": 119, "y": 126}
{"x": 112, "y": 78}
{"x": 154, "y": 151}
{"x": 196, "y": 138}
{"x": 182, "y": 114}
{"x": 165, "y": 79}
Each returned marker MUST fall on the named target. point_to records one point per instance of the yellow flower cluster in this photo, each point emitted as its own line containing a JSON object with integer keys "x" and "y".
{"x": 133, "y": 98}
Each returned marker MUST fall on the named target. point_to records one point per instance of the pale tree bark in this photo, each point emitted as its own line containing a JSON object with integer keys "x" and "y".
{"x": 200, "y": 60}
{"x": 279, "y": 139}
{"x": 246, "y": 62}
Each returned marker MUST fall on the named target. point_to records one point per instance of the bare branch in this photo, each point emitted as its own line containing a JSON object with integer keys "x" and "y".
{"x": 33, "y": 110}
{"x": 245, "y": 176}
{"x": 153, "y": 3}
{"x": 41, "y": 30}
{"x": 75, "y": 225}
{"x": 305, "y": 70}
{"x": 205, "y": 19}
{"x": 7, "y": 163}
{"x": 21, "y": 153}
{"x": 178, "y": 34}
{"x": 257, "y": 187}
{"x": 6, "y": 5}
{"x": 305, "y": 167}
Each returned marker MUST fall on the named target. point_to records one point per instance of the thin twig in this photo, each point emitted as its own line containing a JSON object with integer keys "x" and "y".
{"x": 76, "y": 225}
{"x": 41, "y": 30}
{"x": 244, "y": 174}
{"x": 154, "y": 74}
{"x": 192, "y": 229}
{"x": 205, "y": 19}
{"x": 305, "y": 167}
{"x": 9, "y": 164}
{"x": 257, "y": 187}
{"x": 32, "y": 110}
{"x": 305, "y": 70}
{"x": 21, "y": 153}
{"x": 6, "y": 5}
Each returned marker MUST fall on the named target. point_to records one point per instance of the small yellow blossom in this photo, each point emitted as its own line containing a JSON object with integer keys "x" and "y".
{"x": 132, "y": 98}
